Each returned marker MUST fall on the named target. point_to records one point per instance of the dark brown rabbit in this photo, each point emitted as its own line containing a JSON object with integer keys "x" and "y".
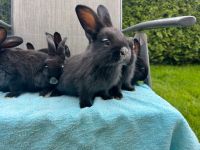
{"x": 57, "y": 39}
{"x": 29, "y": 71}
{"x": 99, "y": 67}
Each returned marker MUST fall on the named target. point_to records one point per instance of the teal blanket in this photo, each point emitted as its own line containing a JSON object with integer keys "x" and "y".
{"x": 140, "y": 121}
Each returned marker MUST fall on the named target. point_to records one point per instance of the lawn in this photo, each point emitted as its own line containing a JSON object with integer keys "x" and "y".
{"x": 180, "y": 86}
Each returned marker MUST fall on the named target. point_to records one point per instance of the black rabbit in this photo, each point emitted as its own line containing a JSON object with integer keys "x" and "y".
{"x": 29, "y": 71}
{"x": 128, "y": 71}
{"x": 132, "y": 72}
{"x": 57, "y": 39}
{"x": 128, "y": 68}
{"x": 99, "y": 67}
{"x": 141, "y": 69}
{"x": 136, "y": 71}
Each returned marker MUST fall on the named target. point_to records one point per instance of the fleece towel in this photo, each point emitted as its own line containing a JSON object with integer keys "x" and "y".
{"x": 140, "y": 121}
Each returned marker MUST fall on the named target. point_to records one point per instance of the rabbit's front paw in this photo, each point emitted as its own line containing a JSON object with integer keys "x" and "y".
{"x": 84, "y": 104}
{"x": 116, "y": 92}
{"x": 13, "y": 94}
{"x": 105, "y": 96}
{"x": 118, "y": 95}
{"x": 55, "y": 93}
{"x": 128, "y": 87}
{"x": 44, "y": 92}
{"x": 86, "y": 98}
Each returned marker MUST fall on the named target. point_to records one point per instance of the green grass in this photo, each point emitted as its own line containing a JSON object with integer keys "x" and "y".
{"x": 180, "y": 86}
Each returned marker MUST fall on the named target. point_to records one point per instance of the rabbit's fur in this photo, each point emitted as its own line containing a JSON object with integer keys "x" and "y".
{"x": 129, "y": 69}
{"x": 136, "y": 71}
{"x": 30, "y": 46}
{"x": 57, "y": 39}
{"x": 141, "y": 69}
{"x": 29, "y": 71}
{"x": 99, "y": 67}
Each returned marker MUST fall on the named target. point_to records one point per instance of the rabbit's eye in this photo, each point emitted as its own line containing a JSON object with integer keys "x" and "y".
{"x": 106, "y": 42}
{"x": 62, "y": 66}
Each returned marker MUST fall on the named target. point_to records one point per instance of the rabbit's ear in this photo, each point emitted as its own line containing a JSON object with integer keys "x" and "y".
{"x": 61, "y": 48}
{"x": 104, "y": 15}
{"x": 89, "y": 20}
{"x": 3, "y": 34}
{"x": 57, "y": 38}
{"x": 51, "y": 44}
{"x": 136, "y": 46}
{"x": 88, "y": 37}
{"x": 67, "y": 51}
{"x": 29, "y": 46}
{"x": 12, "y": 41}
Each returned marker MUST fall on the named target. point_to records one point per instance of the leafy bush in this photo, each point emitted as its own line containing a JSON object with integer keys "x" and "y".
{"x": 5, "y": 10}
{"x": 167, "y": 45}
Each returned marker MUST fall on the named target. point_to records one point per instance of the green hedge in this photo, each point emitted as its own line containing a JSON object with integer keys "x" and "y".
{"x": 167, "y": 45}
{"x": 5, "y": 10}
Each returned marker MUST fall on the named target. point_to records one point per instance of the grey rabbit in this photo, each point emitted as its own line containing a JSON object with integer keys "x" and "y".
{"x": 99, "y": 67}
{"x": 29, "y": 71}
{"x": 57, "y": 39}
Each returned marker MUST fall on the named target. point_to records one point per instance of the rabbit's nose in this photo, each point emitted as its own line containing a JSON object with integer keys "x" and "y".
{"x": 123, "y": 51}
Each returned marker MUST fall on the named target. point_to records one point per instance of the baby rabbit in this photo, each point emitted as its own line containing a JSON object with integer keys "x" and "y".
{"x": 141, "y": 69}
{"x": 128, "y": 68}
{"x": 57, "y": 39}
{"x": 29, "y": 71}
{"x": 128, "y": 71}
{"x": 99, "y": 67}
